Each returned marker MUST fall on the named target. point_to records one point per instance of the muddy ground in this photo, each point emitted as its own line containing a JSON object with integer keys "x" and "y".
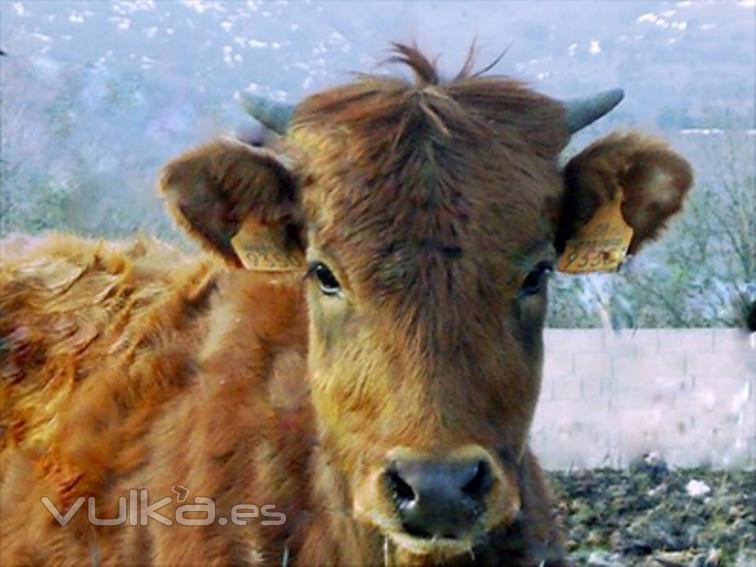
{"x": 656, "y": 516}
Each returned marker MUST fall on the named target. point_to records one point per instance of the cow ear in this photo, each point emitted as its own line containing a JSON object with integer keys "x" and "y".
{"x": 239, "y": 202}
{"x": 622, "y": 188}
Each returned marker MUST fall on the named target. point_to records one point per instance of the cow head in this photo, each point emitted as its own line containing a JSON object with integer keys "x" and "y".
{"x": 427, "y": 217}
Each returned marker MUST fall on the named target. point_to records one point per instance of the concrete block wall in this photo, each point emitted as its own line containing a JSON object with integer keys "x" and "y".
{"x": 686, "y": 394}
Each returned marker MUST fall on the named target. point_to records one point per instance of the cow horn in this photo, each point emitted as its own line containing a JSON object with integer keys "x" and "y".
{"x": 582, "y": 111}
{"x": 273, "y": 115}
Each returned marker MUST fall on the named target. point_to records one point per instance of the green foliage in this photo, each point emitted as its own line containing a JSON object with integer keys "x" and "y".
{"x": 82, "y": 205}
{"x": 44, "y": 206}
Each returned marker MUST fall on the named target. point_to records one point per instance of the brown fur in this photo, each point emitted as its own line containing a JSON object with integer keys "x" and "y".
{"x": 654, "y": 181}
{"x": 229, "y": 192}
{"x": 149, "y": 417}
{"x": 430, "y": 202}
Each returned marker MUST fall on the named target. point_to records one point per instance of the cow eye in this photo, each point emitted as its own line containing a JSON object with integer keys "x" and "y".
{"x": 535, "y": 281}
{"x": 328, "y": 283}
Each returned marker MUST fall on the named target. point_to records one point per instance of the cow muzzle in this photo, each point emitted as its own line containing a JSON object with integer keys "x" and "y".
{"x": 439, "y": 498}
{"x": 439, "y": 503}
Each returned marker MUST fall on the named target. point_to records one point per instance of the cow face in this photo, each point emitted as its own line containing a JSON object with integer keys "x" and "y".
{"x": 427, "y": 219}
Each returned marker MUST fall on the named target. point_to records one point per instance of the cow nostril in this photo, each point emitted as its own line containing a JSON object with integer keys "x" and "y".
{"x": 481, "y": 482}
{"x": 400, "y": 489}
{"x": 440, "y": 498}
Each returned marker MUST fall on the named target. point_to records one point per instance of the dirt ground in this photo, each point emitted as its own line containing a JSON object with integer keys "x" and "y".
{"x": 652, "y": 515}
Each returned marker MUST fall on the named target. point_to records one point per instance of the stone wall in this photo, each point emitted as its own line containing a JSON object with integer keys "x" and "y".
{"x": 607, "y": 398}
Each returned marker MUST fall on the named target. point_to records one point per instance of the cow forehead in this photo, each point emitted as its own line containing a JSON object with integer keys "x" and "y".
{"x": 433, "y": 205}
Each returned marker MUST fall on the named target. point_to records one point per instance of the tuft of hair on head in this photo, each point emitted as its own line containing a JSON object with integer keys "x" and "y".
{"x": 468, "y": 67}
{"x": 467, "y": 106}
{"x": 425, "y": 70}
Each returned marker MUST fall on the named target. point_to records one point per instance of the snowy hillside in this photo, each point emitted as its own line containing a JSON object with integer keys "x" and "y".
{"x": 96, "y": 95}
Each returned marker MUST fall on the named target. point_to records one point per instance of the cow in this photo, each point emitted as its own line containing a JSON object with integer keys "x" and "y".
{"x": 348, "y": 375}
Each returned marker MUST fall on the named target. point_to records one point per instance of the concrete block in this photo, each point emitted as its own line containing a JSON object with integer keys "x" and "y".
{"x": 631, "y": 341}
{"x": 610, "y": 397}
{"x": 547, "y": 390}
{"x": 567, "y": 388}
{"x": 732, "y": 389}
{"x": 718, "y": 363}
{"x": 731, "y": 340}
{"x": 557, "y": 363}
{"x": 593, "y": 364}
{"x": 638, "y": 372}
{"x": 592, "y": 386}
{"x": 664, "y": 398}
{"x": 557, "y": 414}
{"x": 573, "y": 340}
{"x": 686, "y": 340}
{"x": 678, "y": 384}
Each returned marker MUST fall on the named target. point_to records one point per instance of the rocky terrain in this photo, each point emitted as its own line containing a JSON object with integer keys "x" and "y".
{"x": 656, "y": 516}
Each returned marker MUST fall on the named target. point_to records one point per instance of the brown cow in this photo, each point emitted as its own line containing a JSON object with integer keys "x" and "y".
{"x": 382, "y": 402}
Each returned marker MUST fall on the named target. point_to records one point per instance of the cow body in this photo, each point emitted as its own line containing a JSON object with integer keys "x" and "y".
{"x": 360, "y": 353}
{"x": 125, "y": 369}
{"x": 134, "y": 328}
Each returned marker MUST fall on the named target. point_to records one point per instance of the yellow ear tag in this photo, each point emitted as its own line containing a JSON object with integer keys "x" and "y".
{"x": 264, "y": 248}
{"x": 600, "y": 245}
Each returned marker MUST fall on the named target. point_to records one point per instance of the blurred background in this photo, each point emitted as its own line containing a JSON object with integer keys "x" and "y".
{"x": 646, "y": 370}
{"x": 97, "y": 95}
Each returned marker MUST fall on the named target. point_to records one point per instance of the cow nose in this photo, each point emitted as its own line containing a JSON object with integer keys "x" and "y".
{"x": 439, "y": 498}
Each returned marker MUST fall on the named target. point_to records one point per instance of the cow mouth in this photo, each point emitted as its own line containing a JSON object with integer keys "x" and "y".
{"x": 436, "y": 547}
{"x": 401, "y": 542}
